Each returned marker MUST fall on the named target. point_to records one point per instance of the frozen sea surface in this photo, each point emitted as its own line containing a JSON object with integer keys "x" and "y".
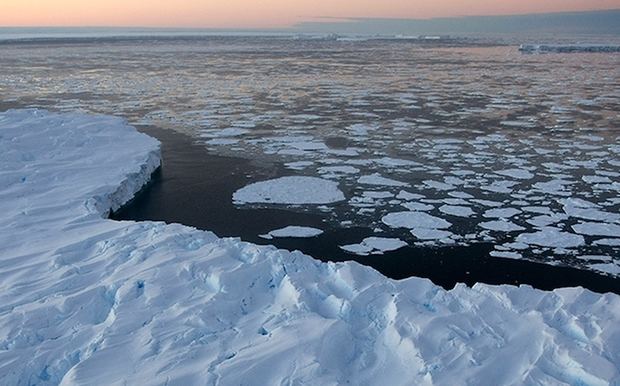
{"x": 473, "y": 134}
{"x": 87, "y": 300}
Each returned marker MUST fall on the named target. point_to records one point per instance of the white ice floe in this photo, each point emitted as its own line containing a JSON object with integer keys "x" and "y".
{"x": 413, "y": 220}
{"x": 597, "y": 229}
{"x": 455, "y": 210}
{"x": 501, "y": 213}
{"x": 501, "y": 226}
{"x": 292, "y": 190}
{"x": 608, "y": 242}
{"x": 520, "y": 174}
{"x": 610, "y": 268}
{"x": 551, "y": 237}
{"x": 418, "y": 206}
{"x": 377, "y": 179}
{"x": 295, "y": 231}
{"x": 506, "y": 254}
{"x": 431, "y": 234}
{"x": 374, "y": 246}
{"x": 87, "y": 300}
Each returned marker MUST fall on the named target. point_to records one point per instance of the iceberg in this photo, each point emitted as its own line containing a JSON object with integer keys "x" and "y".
{"x": 88, "y": 300}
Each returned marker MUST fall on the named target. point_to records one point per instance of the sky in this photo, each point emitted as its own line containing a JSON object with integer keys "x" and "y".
{"x": 262, "y": 13}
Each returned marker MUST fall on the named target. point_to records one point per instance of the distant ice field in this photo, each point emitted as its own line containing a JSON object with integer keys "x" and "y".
{"x": 429, "y": 144}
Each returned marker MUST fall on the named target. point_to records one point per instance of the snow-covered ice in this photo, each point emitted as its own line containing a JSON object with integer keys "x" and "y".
{"x": 294, "y": 231}
{"x": 413, "y": 220}
{"x": 290, "y": 190}
{"x": 551, "y": 237}
{"x": 375, "y": 246}
{"x": 87, "y": 300}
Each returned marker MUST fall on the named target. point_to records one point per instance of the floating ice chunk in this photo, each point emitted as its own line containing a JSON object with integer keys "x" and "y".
{"x": 520, "y": 174}
{"x": 488, "y": 203}
{"x": 290, "y": 190}
{"x": 375, "y": 246}
{"x": 608, "y": 242}
{"x": 596, "y": 179}
{"x": 460, "y": 211}
{"x": 299, "y": 165}
{"x": 413, "y": 220}
{"x": 221, "y": 141}
{"x": 501, "y": 226}
{"x": 377, "y": 179}
{"x": 546, "y": 220}
{"x": 438, "y": 185}
{"x": 555, "y": 187}
{"x": 552, "y": 238}
{"x": 610, "y": 268}
{"x": 521, "y": 124}
{"x": 500, "y": 186}
{"x": 296, "y": 231}
{"x": 501, "y": 213}
{"x": 506, "y": 254}
{"x": 229, "y": 132}
{"x": 404, "y": 195}
{"x": 597, "y": 229}
{"x": 586, "y": 210}
{"x": 378, "y": 195}
{"x": 395, "y": 162}
{"x": 430, "y": 234}
{"x": 418, "y": 206}
{"x": 338, "y": 170}
{"x": 461, "y": 195}
{"x": 568, "y": 48}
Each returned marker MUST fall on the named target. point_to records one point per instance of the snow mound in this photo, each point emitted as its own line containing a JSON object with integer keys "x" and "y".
{"x": 86, "y": 300}
{"x": 290, "y": 190}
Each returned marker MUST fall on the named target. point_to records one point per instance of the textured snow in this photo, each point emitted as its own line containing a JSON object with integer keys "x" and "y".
{"x": 85, "y": 300}
{"x": 290, "y": 190}
{"x": 295, "y": 231}
{"x": 375, "y": 246}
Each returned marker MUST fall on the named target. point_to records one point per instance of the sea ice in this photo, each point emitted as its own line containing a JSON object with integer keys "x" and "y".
{"x": 413, "y": 220}
{"x": 377, "y": 179}
{"x": 375, "y": 246}
{"x": 552, "y": 238}
{"x": 295, "y": 231}
{"x": 87, "y": 300}
{"x": 460, "y": 211}
{"x": 290, "y": 190}
{"x": 501, "y": 226}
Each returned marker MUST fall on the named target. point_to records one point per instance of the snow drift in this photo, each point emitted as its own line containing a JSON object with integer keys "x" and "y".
{"x": 86, "y": 300}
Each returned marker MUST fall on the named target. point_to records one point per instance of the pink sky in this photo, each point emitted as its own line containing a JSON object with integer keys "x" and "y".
{"x": 260, "y": 13}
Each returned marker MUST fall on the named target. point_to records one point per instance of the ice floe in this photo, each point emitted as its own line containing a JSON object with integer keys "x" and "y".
{"x": 294, "y": 190}
{"x": 375, "y": 246}
{"x": 294, "y": 231}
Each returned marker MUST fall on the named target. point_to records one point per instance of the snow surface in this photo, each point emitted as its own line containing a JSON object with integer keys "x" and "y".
{"x": 86, "y": 300}
{"x": 290, "y": 190}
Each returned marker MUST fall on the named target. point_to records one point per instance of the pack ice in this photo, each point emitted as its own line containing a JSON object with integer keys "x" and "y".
{"x": 87, "y": 300}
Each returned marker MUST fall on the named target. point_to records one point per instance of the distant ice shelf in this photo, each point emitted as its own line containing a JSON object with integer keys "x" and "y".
{"x": 567, "y": 48}
{"x": 87, "y": 300}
